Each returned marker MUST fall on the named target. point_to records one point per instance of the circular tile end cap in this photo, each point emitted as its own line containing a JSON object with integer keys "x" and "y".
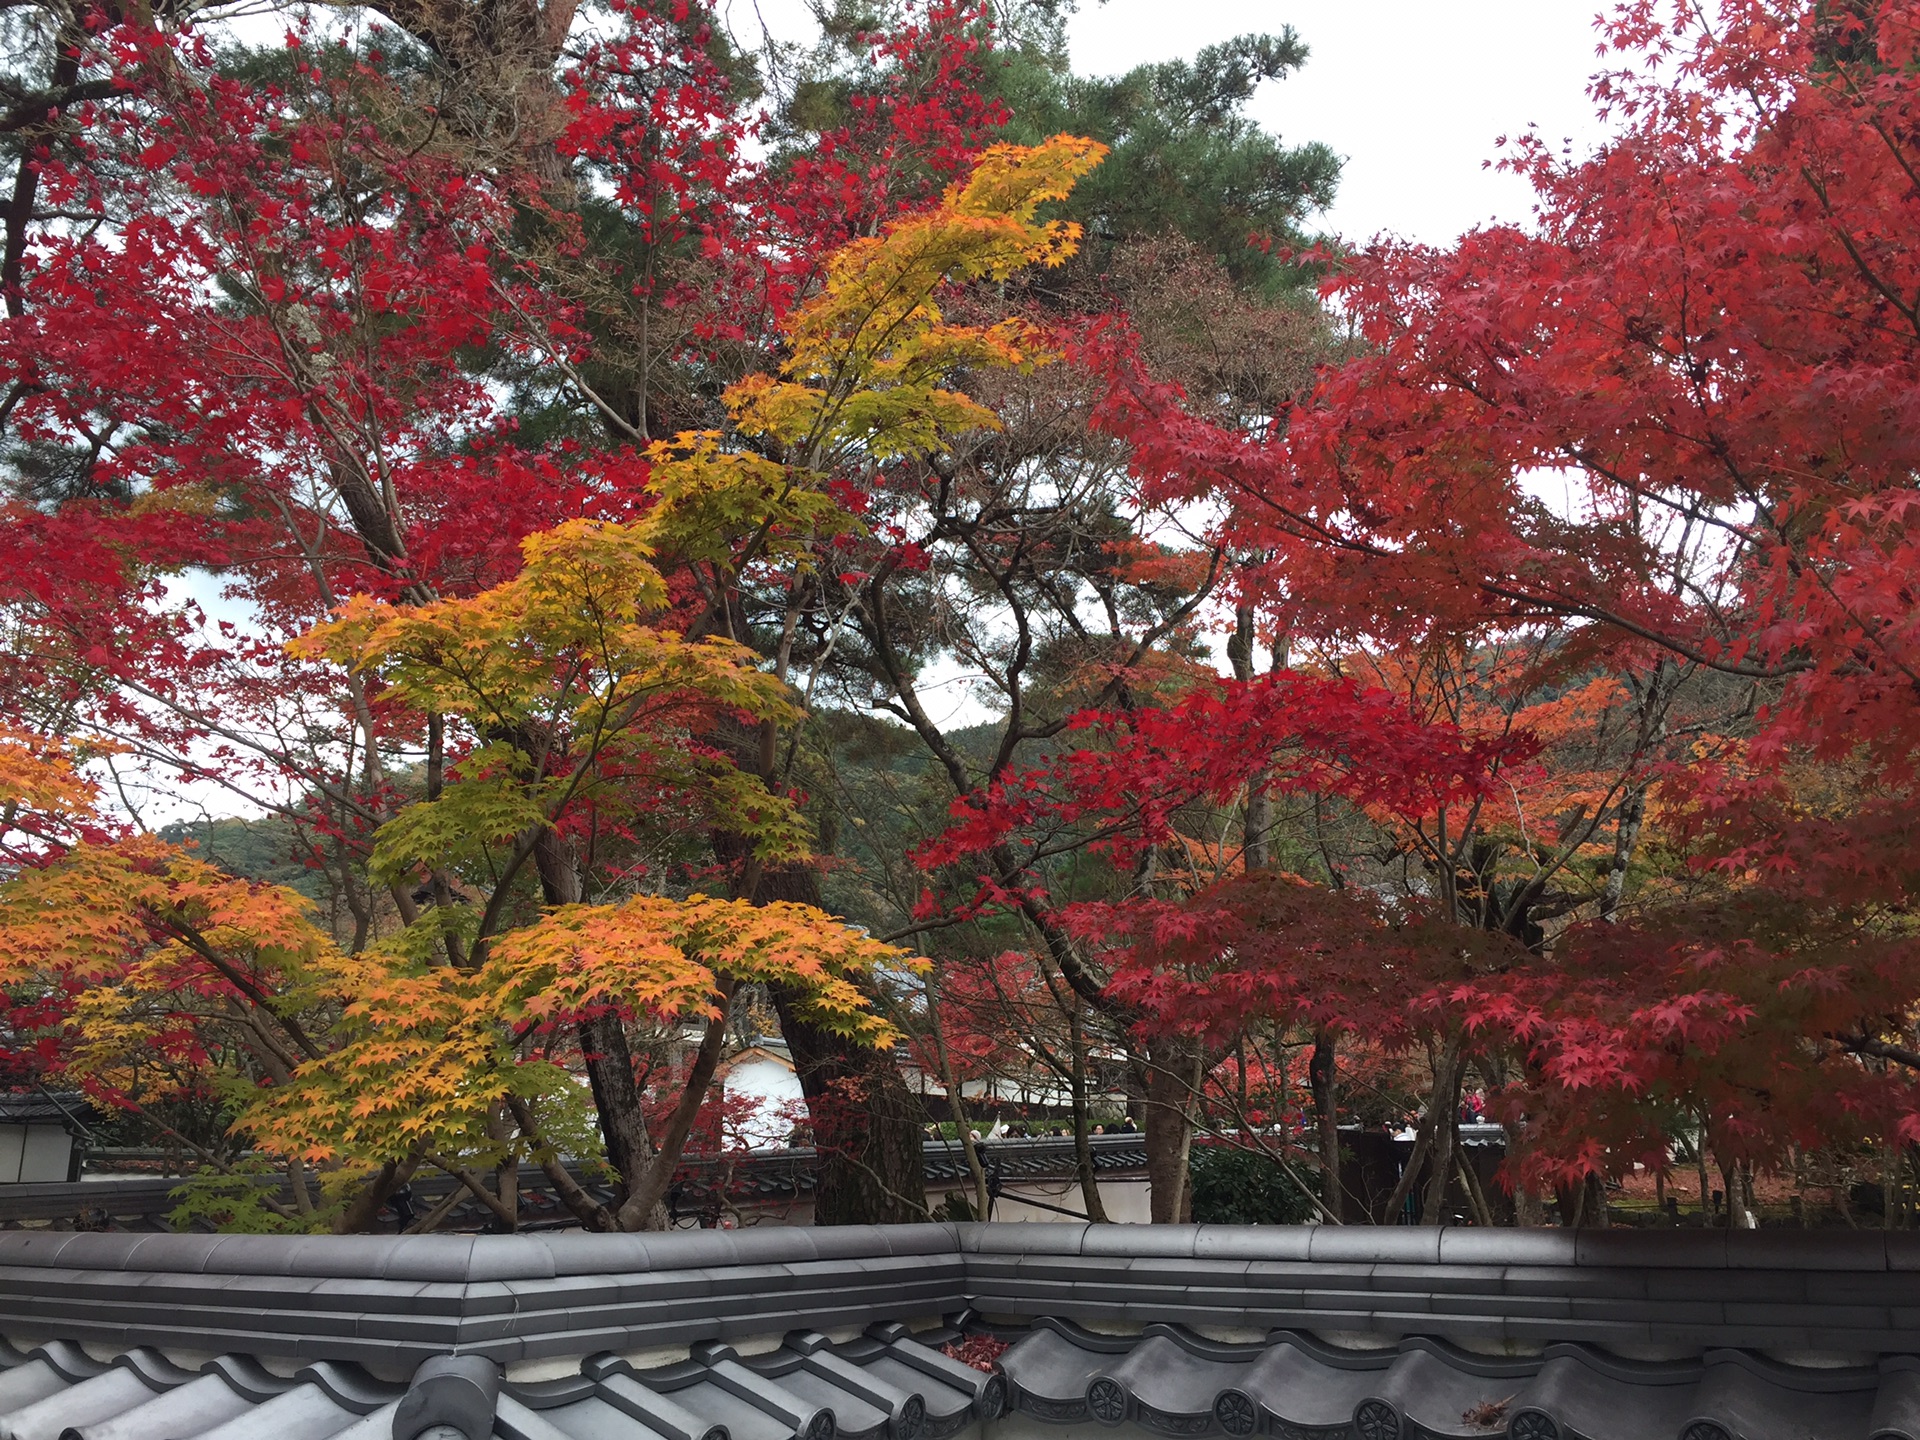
{"x": 1376, "y": 1420}
{"x": 1106, "y": 1401}
{"x": 1533, "y": 1425}
{"x": 992, "y": 1401}
{"x": 1236, "y": 1412}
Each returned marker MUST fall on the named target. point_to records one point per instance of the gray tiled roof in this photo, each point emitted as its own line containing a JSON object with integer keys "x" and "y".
{"x": 1174, "y": 1382}
{"x": 459, "y": 1338}
{"x": 891, "y": 1385}
{"x": 885, "y": 1385}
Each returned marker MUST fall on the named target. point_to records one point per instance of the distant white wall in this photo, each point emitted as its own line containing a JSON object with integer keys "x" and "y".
{"x": 34, "y": 1154}
{"x": 775, "y": 1092}
{"x": 1126, "y": 1201}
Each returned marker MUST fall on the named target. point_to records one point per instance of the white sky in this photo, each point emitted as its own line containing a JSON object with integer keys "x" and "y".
{"x": 1413, "y": 93}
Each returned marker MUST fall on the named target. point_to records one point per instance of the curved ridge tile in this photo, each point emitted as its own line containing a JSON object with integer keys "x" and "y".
{"x": 853, "y": 1417}
{"x": 186, "y": 1410}
{"x": 1422, "y": 1388}
{"x": 742, "y": 1419}
{"x": 22, "y": 1385}
{"x": 351, "y": 1387}
{"x": 1293, "y": 1389}
{"x": 617, "y": 1384}
{"x": 305, "y": 1412}
{"x": 985, "y": 1391}
{"x": 1229, "y": 1351}
{"x": 249, "y": 1377}
{"x": 785, "y": 1403}
{"x": 72, "y": 1362}
{"x": 514, "y": 1421}
{"x": 904, "y": 1407}
{"x": 1739, "y": 1398}
{"x": 1084, "y": 1339}
{"x": 1165, "y": 1386}
{"x": 593, "y": 1418}
{"x": 1049, "y": 1374}
{"x": 1571, "y": 1399}
{"x": 376, "y": 1426}
{"x": 101, "y": 1398}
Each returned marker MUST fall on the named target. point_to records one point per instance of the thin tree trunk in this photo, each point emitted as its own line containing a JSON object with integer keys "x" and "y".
{"x": 1416, "y": 1158}
{"x": 1700, "y": 1168}
{"x": 646, "y": 1208}
{"x": 957, "y": 1105}
{"x": 618, "y": 1103}
{"x": 1595, "y": 1203}
{"x": 604, "y": 1051}
{"x": 1256, "y": 848}
{"x": 1470, "y": 1182}
{"x": 1444, "y": 1106}
{"x": 1323, "y": 1077}
{"x": 1090, "y": 1199}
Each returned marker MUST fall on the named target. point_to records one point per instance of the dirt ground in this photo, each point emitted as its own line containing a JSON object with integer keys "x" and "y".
{"x": 1639, "y": 1198}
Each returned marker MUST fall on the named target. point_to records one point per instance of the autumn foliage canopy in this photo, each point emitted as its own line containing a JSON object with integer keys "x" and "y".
{"x": 1487, "y": 672}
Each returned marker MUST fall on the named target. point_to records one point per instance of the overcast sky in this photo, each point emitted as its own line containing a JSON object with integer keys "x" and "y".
{"x": 1413, "y": 93}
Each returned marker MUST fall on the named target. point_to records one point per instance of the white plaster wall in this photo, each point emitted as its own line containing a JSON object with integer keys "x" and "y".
{"x": 776, "y": 1089}
{"x": 1126, "y": 1201}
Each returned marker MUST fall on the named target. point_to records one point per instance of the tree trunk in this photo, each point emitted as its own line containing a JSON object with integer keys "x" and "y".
{"x": 617, "y": 1102}
{"x": 358, "y": 1217}
{"x": 1082, "y": 1130}
{"x": 604, "y": 1051}
{"x": 957, "y": 1106}
{"x": 1256, "y": 849}
{"x": 1323, "y": 1077}
{"x": 1446, "y": 1132}
{"x": 1169, "y": 1127}
{"x": 871, "y": 1166}
{"x": 866, "y": 1127}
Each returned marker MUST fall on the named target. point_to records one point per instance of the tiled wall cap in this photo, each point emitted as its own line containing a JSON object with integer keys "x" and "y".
{"x": 1064, "y": 1238}
{"x": 1146, "y": 1242}
{"x": 1682, "y": 1249}
{"x": 1373, "y": 1245}
{"x": 1838, "y": 1250}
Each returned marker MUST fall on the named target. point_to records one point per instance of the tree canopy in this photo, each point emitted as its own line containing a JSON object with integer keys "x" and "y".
{"x": 621, "y": 533}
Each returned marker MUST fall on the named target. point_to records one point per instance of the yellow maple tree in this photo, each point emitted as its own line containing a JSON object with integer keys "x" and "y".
{"x": 456, "y": 1041}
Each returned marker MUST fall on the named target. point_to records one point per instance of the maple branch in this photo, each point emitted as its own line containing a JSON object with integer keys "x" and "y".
{"x": 652, "y": 1190}
{"x": 572, "y": 1193}
{"x": 240, "y": 981}
{"x": 431, "y": 1221}
{"x": 207, "y": 1156}
{"x": 479, "y": 1191}
{"x": 1247, "y": 1136}
{"x": 1863, "y": 1044}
